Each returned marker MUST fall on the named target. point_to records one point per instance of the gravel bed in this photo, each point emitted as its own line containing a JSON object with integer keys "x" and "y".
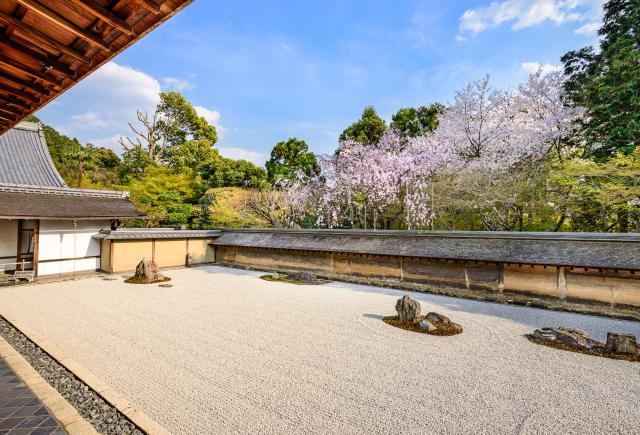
{"x": 105, "y": 418}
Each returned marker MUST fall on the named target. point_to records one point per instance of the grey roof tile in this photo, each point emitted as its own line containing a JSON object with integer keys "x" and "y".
{"x": 598, "y": 250}
{"x": 25, "y": 159}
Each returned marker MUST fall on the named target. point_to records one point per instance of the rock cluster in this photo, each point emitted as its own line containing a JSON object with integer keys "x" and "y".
{"x": 105, "y": 418}
{"x": 147, "y": 270}
{"x": 617, "y": 343}
{"x": 306, "y": 277}
{"x": 409, "y": 312}
{"x": 568, "y": 336}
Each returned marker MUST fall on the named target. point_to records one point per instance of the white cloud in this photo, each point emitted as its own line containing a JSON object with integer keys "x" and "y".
{"x": 525, "y": 13}
{"x": 108, "y": 142}
{"x": 89, "y": 120}
{"x": 212, "y": 117}
{"x": 176, "y": 84}
{"x": 588, "y": 29}
{"x": 255, "y": 157}
{"x": 534, "y": 67}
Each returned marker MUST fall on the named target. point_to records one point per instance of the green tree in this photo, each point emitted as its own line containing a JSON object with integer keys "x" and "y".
{"x": 135, "y": 161}
{"x": 193, "y": 154}
{"x": 368, "y": 130}
{"x": 223, "y": 172}
{"x": 288, "y": 158}
{"x": 165, "y": 195}
{"x": 180, "y": 121}
{"x": 607, "y": 82}
{"x": 412, "y": 122}
{"x": 599, "y": 196}
{"x": 173, "y": 123}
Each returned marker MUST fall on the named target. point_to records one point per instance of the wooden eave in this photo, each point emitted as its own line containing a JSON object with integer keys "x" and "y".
{"x": 47, "y": 46}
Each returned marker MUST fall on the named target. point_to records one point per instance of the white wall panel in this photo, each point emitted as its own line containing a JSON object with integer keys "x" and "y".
{"x": 60, "y": 241}
{"x": 68, "y": 266}
{"x": 8, "y": 238}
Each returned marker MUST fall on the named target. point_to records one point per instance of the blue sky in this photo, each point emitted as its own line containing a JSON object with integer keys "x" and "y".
{"x": 264, "y": 71}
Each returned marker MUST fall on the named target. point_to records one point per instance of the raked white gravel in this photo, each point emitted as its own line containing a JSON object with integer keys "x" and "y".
{"x": 225, "y": 352}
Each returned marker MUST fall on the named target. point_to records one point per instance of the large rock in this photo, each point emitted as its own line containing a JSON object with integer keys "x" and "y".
{"x": 408, "y": 309}
{"x": 568, "y": 336}
{"x": 624, "y": 344}
{"x": 148, "y": 271}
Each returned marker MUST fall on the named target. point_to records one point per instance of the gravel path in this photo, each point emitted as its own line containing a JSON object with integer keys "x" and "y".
{"x": 223, "y": 351}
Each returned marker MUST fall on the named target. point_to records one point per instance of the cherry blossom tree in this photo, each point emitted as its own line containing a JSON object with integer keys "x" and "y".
{"x": 493, "y": 132}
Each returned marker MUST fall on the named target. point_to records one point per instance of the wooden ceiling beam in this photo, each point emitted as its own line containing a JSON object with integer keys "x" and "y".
{"x": 9, "y": 63}
{"x": 25, "y": 83}
{"x": 18, "y": 93}
{"x": 64, "y": 23}
{"x": 35, "y": 33}
{"x": 105, "y": 15}
{"x": 43, "y": 59}
{"x": 8, "y": 116}
{"x": 150, "y": 5}
{"x": 7, "y": 107}
{"x": 13, "y": 104}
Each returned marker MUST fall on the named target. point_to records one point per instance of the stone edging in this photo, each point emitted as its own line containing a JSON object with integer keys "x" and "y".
{"x": 111, "y": 396}
{"x": 61, "y": 410}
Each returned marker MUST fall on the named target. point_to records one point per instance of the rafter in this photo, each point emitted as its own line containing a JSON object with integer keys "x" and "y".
{"x": 18, "y": 93}
{"x": 150, "y": 5}
{"x": 64, "y": 23}
{"x": 43, "y": 59}
{"x": 24, "y": 83}
{"x": 17, "y": 66}
{"x": 35, "y": 33}
{"x": 7, "y": 107}
{"x": 105, "y": 15}
{"x": 8, "y": 116}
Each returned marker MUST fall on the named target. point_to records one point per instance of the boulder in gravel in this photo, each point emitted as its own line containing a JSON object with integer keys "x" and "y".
{"x": 408, "y": 309}
{"x": 624, "y": 344}
{"x": 426, "y": 325}
{"x": 148, "y": 271}
{"x": 568, "y": 336}
{"x": 438, "y": 318}
{"x": 302, "y": 276}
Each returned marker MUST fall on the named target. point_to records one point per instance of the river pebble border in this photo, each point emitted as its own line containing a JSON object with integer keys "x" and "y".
{"x": 103, "y": 417}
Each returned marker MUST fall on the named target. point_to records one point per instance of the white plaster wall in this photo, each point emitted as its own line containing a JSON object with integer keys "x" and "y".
{"x": 8, "y": 238}
{"x": 59, "y": 240}
{"x": 68, "y": 266}
{"x": 8, "y": 243}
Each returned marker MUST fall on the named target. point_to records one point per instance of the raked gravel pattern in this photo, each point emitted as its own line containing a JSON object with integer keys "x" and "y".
{"x": 223, "y": 351}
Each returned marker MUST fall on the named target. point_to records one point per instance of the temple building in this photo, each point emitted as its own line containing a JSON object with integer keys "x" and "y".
{"x": 45, "y": 226}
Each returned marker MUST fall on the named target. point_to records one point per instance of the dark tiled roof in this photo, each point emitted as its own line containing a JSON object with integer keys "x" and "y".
{"x": 24, "y": 157}
{"x": 64, "y": 203}
{"x": 613, "y": 251}
{"x": 156, "y": 233}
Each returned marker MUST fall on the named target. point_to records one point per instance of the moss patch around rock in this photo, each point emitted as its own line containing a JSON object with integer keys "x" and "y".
{"x": 441, "y": 329}
{"x": 595, "y": 351}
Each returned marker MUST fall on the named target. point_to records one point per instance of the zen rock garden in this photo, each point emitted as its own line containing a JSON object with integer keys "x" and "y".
{"x": 618, "y": 345}
{"x": 147, "y": 272}
{"x": 304, "y": 278}
{"x": 409, "y": 318}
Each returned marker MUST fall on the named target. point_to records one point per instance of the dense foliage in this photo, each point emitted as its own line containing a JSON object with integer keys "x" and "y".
{"x": 607, "y": 82}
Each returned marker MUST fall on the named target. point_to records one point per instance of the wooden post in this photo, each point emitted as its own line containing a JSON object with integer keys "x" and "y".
{"x": 36, "y": 247}
{"x": 111, "y": 248}
{"x": 19, "y": 248}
